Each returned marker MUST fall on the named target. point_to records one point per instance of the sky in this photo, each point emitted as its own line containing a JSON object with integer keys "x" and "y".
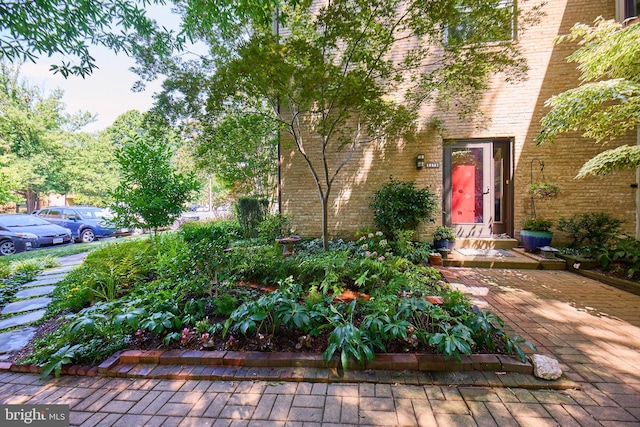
{"x": 106, "y": 93}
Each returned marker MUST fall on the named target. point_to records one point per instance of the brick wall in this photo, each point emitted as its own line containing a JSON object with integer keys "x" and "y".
{"x": 513, "y": 110}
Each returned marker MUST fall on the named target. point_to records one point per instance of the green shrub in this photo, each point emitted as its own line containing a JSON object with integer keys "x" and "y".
{"x": 591, "y": 231}
{"x": 5, "y": 271}
{"x": 28, "y": 269}
{"x": 108, "y": 273}
{"x": 398, "y": 205}
{"x": 537, "y": 224}
{"x": 625, "y": 254}
{"x": 115, "y": 269}
{"x": 173, "y": 259}
{"x": 415, "y": 252}
{"x": 225, "y": 304}
{"x": 249, "y": 212}
{"x": 274, "y": 226}
{"x": 261, "y": 264}
{"x": 207, "y": 245}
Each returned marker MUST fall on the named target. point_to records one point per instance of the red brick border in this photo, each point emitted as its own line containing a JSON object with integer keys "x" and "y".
{"x": 120, "y": 363}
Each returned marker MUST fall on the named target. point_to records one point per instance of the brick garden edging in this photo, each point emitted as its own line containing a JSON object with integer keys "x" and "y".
{"x": 489, "y": 370}
{"x": 385, "y": 361}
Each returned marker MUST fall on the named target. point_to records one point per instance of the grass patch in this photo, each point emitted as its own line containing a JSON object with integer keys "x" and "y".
{"x": 60, "y": 251}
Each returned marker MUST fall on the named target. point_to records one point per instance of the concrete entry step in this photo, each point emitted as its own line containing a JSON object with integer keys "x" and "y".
{"x": 487, "y": 243}
{"x": 519, "y": 259}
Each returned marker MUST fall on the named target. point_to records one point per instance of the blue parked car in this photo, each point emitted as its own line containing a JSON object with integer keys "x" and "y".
{"x": 29, "y": 226}
{"x": 87, "y": 223}
{"x": 12, "y": 243}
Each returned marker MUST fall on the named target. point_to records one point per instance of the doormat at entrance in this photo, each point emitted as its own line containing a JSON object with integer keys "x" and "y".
{"x": 496, "y": 253}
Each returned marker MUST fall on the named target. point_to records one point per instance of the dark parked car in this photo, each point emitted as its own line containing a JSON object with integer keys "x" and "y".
{"x": 87, "y": 223}
{"x": 47, "y": 233}
{"x": 12, "y": 243}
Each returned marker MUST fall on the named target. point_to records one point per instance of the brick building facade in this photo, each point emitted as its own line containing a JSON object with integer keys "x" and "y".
{"x": 505, "y": 142}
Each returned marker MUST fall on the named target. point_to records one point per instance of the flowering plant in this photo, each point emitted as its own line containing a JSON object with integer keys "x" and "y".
{"x": 374, "y": 245}
{"x": 543, "y": 190}
{"x": 443, "y": 232}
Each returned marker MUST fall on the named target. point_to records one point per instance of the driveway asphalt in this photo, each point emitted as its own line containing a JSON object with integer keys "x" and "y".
{"x": 591, "y": 328}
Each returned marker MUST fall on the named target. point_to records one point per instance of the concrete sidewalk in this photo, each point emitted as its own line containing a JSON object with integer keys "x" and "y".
{"x": 593, "y": 329}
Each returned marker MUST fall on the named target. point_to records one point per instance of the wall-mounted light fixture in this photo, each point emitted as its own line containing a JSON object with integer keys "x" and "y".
{"x": 419, "y": 161}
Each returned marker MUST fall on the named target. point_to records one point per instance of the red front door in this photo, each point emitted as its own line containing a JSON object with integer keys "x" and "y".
{"x": 477, "y": 185}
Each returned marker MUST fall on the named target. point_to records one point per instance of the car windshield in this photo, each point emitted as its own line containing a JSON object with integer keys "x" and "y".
{"x": 92, "y": 213}
{"x": 21, "y": 221}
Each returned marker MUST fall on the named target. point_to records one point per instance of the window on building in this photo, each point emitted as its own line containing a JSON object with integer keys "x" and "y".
{"x": 484, "y": 24}
{"x": 626, "y": 9}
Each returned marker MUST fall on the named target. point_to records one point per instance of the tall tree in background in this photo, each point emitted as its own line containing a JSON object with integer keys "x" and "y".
{"x": 345, "y": 72}
{"x": 92, "y": 167}
{"x": 31, "y": 129}
{"x": 607, "y": 102}
{"x": 30, "y": 30}
{"x": 6, "y": 195}
{"x": 241, "y": 150}
{"x": 43, "y": 151}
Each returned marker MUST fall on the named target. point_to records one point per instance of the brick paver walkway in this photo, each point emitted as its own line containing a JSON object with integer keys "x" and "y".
{"x": 594, "y": 330}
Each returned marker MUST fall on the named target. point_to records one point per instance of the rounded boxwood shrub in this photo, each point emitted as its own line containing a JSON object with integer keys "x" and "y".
{"x": 399, "y": 205}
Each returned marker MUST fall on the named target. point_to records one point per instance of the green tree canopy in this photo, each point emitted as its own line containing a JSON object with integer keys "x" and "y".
{"x": 343, "y": 73}
{"x": 44, "y": 150}
{"x": 30, "y": 30}
{"x": 607, "y": 102}
{"x": 241, "y": 150}
{"x": 91, "y": 167}
{"x": 31, "y": 130}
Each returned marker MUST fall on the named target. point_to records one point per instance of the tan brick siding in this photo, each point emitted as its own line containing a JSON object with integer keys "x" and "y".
{"x": 513, "y": 110}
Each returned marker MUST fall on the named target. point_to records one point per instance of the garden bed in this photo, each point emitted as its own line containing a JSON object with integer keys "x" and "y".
{"x": 178, "y": 292}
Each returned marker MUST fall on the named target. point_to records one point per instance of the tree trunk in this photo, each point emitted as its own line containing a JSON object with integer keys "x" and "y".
{"x": 32, "y": 199}
{"x": 325, "y": 221}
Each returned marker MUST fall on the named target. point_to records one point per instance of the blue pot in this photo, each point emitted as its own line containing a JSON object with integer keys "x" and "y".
{"x": 532, "y": 240}
{"x": 444, "y": 244}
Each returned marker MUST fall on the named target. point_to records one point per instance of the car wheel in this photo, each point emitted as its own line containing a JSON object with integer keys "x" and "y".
{"x": 87, "y": 236}
{"x": 7, "y": 247}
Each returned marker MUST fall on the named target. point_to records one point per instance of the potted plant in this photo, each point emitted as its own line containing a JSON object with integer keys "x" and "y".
{"x": 435, "y": 258}
{"x": 536, "y": 233}
{"x": 543, "y": 190}
{"x": 444, "y": 237}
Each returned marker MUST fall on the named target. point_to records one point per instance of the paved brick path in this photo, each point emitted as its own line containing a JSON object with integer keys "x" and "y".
{"x": 591, "y": 328}
{"x": 594, "y": 330}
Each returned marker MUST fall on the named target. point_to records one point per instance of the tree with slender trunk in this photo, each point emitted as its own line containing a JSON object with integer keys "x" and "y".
{"x": 341, "y": 73}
